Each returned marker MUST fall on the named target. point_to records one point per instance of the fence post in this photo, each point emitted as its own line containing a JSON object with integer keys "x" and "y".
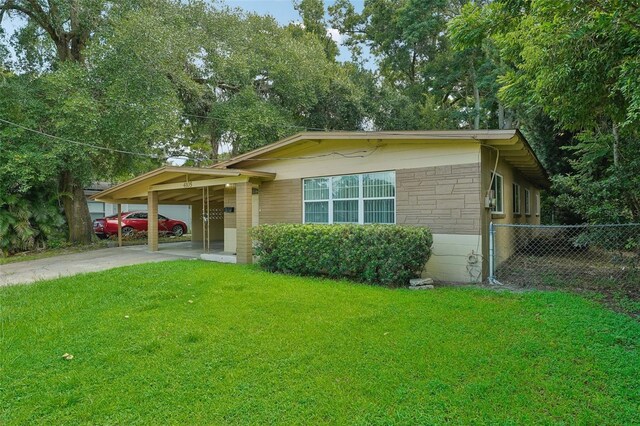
{"x": 492, "y": 253}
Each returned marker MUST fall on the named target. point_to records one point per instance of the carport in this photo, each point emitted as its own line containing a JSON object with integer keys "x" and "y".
{"x": 224, "y": 204}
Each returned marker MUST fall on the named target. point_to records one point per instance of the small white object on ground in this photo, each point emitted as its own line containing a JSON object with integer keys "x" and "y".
{"x": 67, "y": 356}
{"x": 420, "y": 281}
{"x": 421, "y": 284}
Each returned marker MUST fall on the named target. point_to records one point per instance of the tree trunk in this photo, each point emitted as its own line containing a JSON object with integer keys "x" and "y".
{"x": 76, "y": 209}
{"x": 215, "y": 144}
{"x": 616, "y": 145}
{"x": 500, "y": 116}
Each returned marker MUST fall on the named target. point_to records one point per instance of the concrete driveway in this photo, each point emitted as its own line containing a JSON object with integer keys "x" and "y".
{"x": 91, "y": 261}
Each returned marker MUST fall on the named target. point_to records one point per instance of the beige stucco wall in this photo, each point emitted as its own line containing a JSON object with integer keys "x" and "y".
{"x": 450, "y": 258}
{"x": 230, "y": 220}
{"x": 505, "y": 243}
{"x": 321, "y": 158}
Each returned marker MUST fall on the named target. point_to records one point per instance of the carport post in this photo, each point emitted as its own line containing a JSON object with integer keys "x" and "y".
{"x": 119, "y": 225}
{"x": 152, "y": 220}
{"x": 244, "y": 252}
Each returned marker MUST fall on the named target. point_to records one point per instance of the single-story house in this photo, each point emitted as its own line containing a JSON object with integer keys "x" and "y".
{"x": 454, "y": 182}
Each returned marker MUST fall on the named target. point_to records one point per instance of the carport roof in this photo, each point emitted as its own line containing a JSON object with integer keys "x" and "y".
{"x": 177, "y": 185}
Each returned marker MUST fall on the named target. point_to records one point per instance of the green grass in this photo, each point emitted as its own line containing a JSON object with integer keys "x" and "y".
{"x": 259, "y": 348}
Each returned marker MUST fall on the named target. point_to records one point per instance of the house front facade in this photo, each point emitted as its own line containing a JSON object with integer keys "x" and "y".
{"x": 454, "y": 182}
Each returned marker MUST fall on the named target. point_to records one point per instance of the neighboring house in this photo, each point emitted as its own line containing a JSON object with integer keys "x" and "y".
{"x": 98, "y": 209}
{"x": 439, "y": 179}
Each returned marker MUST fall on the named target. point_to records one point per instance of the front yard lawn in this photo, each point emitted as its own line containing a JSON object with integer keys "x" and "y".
{"x": 191, "y": 342}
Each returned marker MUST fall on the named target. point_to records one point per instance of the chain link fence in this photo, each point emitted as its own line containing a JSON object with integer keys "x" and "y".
{"x": 587, "y": 257}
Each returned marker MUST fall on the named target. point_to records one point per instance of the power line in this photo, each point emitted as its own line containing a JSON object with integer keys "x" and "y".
{"x": 103, "y": 148}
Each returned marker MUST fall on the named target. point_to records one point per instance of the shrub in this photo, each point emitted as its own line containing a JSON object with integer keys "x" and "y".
{"x": 378, "y": 254}
{"x": 30, "y": 221}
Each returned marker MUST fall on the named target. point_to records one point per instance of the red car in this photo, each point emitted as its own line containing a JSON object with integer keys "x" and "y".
{"x": 133, "y": 222}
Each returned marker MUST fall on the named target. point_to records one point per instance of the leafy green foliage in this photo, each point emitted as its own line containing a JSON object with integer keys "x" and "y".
{"x": 313, "y": 21}
{"x": 125, "y": 86}
{"x": 566, "y": 71}
{"x": 375, "y": 254}
{"x": 430, "y": 55}
{"x": 29, "y": 221}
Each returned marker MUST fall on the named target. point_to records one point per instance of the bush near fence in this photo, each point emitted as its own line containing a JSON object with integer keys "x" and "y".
{"x": 387, "y": 255}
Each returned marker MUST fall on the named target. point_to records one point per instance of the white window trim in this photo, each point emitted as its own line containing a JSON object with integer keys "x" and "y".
{"x": 501, "y": 193}
{"x": 527, "y": 202}
{"x": 331, "y": 178}
{"x": 361, "y": 198}
{"x": 517, "y": 201}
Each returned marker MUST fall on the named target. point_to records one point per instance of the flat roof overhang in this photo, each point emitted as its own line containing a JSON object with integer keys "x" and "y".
{"x": 510, "y": 144}
{"x": 178, "y": 185}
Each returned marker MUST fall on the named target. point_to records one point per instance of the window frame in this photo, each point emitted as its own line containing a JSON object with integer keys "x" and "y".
{"x": 327, "y": 200}
{"x": 517, "y": 199}
{"x": 494, "y": 181}
{"x": 527, "y": 202}
{"x": 360, "y": 199}
{"x": 538, "y": 203}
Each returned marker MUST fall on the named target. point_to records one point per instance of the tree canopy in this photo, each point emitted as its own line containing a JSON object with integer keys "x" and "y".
{"x": 96, "y": 90}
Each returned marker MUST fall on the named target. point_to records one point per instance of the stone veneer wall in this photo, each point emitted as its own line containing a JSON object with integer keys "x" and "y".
{"x": 445, "y": 198}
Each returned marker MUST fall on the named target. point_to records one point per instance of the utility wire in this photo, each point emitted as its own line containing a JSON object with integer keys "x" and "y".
{"x": 103, "y": 148}
{"x": 356, "y": 154}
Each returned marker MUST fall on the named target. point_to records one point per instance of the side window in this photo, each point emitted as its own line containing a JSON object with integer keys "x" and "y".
{"x": 496, "y": 187}
{"x": 160, "y": 217}
{"x": 527, "y": 202}
{"x": 516, "y": 198}
{"x": 142, "y": 215}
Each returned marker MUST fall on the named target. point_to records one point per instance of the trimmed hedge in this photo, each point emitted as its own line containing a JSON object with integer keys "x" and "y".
{"x": 378, "y": 254}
